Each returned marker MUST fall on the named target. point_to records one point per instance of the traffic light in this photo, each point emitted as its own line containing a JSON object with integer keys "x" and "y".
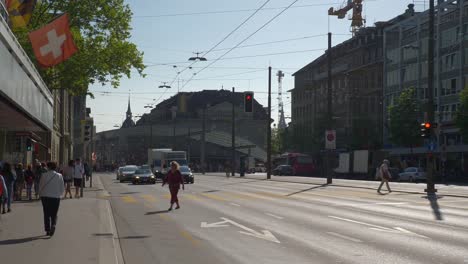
{"x": 248, "y": 102}
{"x": 87, "y": 132}
{"x": 426, "y": 129}
{"x": 28, "y": 144}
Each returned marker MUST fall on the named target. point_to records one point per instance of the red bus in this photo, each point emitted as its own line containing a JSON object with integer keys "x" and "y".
{"x": 301, "y": 164}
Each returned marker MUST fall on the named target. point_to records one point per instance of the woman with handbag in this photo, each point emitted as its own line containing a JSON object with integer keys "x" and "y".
{"x": 384, "y": 175}
{"x": 51, "y": 188}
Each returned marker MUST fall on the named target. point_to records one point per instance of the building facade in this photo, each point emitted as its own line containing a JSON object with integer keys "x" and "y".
{"x": 406, "y": 49}
{"x": 26, "y": 104}
{"x": 357, "y": 82}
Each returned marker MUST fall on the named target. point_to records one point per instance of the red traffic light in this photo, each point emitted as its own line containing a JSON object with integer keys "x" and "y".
{"x": 427, "y": 125}
{"x": 248, "y": 97}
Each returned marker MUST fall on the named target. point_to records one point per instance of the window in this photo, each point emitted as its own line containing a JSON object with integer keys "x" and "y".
{"x": 453, "y": 86}
{"x": 450, "y": 62}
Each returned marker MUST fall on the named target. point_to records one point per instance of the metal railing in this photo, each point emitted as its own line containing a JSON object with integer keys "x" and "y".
{"x": 4, "y": 11}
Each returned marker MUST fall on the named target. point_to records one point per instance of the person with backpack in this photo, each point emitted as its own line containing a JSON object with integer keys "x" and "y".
{"x": 9, "y": 178}
{"x": 29, "y": 179}
{"x": 20, "y": 180}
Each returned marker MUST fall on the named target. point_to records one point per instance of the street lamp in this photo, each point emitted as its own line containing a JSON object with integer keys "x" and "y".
{"x": 197, "y": 57}
{"x": 164, "y": 85}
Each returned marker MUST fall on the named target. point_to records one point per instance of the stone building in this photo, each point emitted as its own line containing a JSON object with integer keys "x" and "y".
{"x": 357, "y": 82}
{"x": 177, "y": 123}
{"x": 406, "y": 49}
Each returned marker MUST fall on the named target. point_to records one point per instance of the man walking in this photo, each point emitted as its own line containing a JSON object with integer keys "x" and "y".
{"x": 51, "y": 188}
{"x": 385, "y": 175}
{"x": 78, "y": 177}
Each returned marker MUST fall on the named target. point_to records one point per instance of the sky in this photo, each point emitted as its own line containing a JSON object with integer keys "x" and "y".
{"x": 170, "y": 31}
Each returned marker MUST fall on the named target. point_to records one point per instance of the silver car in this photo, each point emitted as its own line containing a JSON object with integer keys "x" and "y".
{"x": 187, "y": 174}
{"x": 127, "y": 173}
{"x": 413, "y": 174}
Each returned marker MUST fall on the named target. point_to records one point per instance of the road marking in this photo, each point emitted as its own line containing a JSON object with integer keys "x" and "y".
{"x": 167, "y": 196}
{"x": 149, "y": 198}
{"x": 129, "y": 199}
{"x": 214, "y": 197}
{"x": 275, "y": 216}
{"x": 242, "y": 196}
{"x": 390, "y": 203}
{"x": 264, "y": 234}
{"x": 189, "y": 237}
{"x": 164, "y": 217}
{"x": 344, "y": 237}
{"x": 397, "y": 230}
{"x": 238, "y": 205}
{"x": 271, "y": 195}
{"x": 191, "y": 197}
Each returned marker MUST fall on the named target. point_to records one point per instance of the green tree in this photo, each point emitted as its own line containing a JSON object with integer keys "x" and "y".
{"x": 462, "y": 115}
{"x": 404, "y": 125}
{"x": 101, "y": 31}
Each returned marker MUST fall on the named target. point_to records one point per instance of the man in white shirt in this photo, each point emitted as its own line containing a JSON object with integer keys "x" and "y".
{"x": 78, "y": 176}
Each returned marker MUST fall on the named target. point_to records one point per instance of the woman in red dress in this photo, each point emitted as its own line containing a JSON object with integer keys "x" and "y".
{"x": 174, "y": 179}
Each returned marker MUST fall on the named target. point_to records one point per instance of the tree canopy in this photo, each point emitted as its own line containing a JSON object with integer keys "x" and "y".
{"x": 101, "y": 31}
{"x": 404, "y": 125}
{"x": 462, "y": 114}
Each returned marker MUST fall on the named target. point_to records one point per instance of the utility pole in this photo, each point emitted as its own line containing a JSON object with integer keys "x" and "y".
{"x": 202, "y": 148}
{"x": 329, "y": 107}
{"x": 233, "y": 133}
{"x": 188, "y": 146}
{"x": 430, "y": 188}
{"x": 269, "y": 126}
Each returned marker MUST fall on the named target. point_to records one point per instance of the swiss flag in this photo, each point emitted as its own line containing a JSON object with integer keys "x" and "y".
{"x": 53, "y": 43}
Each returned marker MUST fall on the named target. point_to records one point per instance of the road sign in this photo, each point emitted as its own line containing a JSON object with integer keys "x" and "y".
{"x": 330, "y": 139}
{"x": 431, "y": 146}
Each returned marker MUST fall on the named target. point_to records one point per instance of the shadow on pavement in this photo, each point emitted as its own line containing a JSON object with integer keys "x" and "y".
{"x": 435, "y": 206}
{"x": 129, "y": 192}
{"x": 103, "y": 234}
{"x": 309, "y": 189}
{"x": 157, "y": 212}
{"x": 22, "y": 240}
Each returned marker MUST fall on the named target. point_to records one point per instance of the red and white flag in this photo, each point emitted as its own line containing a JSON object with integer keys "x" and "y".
{"x": 53, "y": 43}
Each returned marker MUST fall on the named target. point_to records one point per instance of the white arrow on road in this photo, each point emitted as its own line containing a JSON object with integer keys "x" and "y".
{"x": 217, "y": 224}
{"x": 264, "y": 234}
{"x": 397, "y": 230}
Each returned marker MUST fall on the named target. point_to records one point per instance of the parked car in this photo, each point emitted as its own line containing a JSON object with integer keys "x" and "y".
{"x": 260, "y": 167}
{"x": 143, "y": 176}
{"x": 283, "y": 170}
{"x": 118, "y": 172}
{"x": 127, "y": 173}
{"x": 187, "y": 174}
{"x": 413, "y": 174}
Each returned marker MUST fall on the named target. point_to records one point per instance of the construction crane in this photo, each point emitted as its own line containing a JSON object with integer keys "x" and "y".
{"x": 357, "y": 21}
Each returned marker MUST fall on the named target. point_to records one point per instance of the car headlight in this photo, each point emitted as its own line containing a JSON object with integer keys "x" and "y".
{"x": 137, "y": 177}
{"x": 152, "y": 177}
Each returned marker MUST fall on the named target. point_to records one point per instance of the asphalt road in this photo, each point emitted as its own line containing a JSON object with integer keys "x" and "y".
{"x": 256, "y": 221}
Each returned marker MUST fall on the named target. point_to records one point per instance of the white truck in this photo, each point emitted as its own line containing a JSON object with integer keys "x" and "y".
{"x": 359, "y": 164}
{"x": 159, "y": 160}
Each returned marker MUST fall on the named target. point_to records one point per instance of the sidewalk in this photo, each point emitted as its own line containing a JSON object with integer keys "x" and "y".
{"x": 85, "y": 232}
{"x": 417, "y": 188}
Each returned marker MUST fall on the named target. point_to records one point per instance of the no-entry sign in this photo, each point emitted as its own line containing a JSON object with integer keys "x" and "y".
{"x": 330, "y": 139}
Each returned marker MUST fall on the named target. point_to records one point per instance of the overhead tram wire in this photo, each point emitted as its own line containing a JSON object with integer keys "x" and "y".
{"x": 217, "y": 44}
{"x": 244, "y": 40}
{"x": 231, "y": 11}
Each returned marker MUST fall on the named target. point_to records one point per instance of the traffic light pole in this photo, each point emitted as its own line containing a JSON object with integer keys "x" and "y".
{"x": 269, "y": 127}
{"x": 233, "y": 134}
{"x": 430, "y": 188}
{"x": 329, "y": 107}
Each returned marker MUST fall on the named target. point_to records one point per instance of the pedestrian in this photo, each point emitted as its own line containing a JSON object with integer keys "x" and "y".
{"x": 20, "y": 180}
{"x": 3, "y": 193}
{"x": 68, "y": 177}
{"x": 174, "y": 179}
{"x": 78, "y": 173}
{"x": 51, "y": 188}
{"x": 29, "y": 179}
{"x": 9, "y": 178}
{"x": 38, "y": 171}
{"x": 384, "y": 175}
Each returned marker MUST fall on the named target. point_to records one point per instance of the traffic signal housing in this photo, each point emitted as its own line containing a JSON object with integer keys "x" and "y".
{"x": 248, "y": 102}
{"x": 28, "y": 144}
{"x": 426, "y": 129}
{"x": 87, "y": 132}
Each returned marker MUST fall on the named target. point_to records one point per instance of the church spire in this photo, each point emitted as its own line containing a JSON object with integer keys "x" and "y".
{"x": 128, "y": 120}
{"x": 129, "y": 111}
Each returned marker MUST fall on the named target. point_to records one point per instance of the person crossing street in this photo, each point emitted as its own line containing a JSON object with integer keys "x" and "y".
{"x": 174, "y": 179}
{"x": 385, "y": 175}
